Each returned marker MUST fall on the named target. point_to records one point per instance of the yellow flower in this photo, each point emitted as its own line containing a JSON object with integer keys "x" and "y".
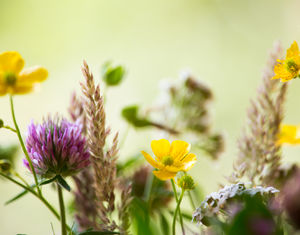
{"x": 289, "y": 68}
{"x": 289, "y": 134}
{"x": 170, "y": 158}
{"x": 15, "y": 81}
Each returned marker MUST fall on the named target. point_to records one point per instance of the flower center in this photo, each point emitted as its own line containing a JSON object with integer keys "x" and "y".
{"x": 292, "y": 66}
{"x": 167, "y": 160}
{"x": 10, "y": 78}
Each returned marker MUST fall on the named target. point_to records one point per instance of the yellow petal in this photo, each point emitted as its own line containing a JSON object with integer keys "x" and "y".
{"x": 289, "y": 134}
{"x": 179, "y": 148}
{"x": 164, "y": 175}
{"x": 188, "y": 158}
{"x": 3, "y": 90}
{"x": 174, "y": 168}
{"x": 160, "y": 148}
{"x": 21, "y": 89}
{"x": 32, "y": 75}
{"x": 151, "y": 160}
{"x": 11, "y": 61}
{"x": 189, "y": 165}
{"x": 293, "y": 51}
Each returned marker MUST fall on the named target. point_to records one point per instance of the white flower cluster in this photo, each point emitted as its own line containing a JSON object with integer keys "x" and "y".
{"x": 217, "y": 200}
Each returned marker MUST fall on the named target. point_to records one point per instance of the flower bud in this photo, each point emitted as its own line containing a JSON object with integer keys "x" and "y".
{"x": 186, "y": 182}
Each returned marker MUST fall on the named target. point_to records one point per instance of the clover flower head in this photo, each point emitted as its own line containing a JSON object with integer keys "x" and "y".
{"x": 15, "y": 81}
{"x": 288, "y": 68}
{"x": 289, "y": 134}
{"x": 170, "y": 158}
{"x": 56, "y": 147}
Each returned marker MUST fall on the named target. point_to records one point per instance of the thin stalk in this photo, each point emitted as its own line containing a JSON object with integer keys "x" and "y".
{"x": 10, "y": 128}
{"x": 23, "y": 145}
{"x": 176, "y": 198}
{"x": 175, "y": 213}
{"x": 191, "y": 200}
{"x": 62, "y": 210}
{"x": 41, "y": 198}
{"x": 20, "y": 177}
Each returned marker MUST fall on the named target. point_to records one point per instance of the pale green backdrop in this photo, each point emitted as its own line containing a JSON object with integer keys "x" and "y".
{"x": 224, "y": 42}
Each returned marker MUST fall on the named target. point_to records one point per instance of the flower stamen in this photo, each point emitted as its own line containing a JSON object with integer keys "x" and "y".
{"x": 10, "y": 78}
{"x": 167, "y": 160}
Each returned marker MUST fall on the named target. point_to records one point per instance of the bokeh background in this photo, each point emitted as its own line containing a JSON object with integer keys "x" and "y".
{"x": 224, "y": 42}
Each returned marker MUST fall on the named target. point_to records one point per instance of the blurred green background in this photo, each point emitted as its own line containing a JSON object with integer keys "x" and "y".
{"x": 224, "y": 42}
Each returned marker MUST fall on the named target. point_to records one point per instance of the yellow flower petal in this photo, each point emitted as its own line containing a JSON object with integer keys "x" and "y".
{"x": 179, "y": 148}
{"x": 3, "y": 90}
{"x": 289, "y": 134}
{"x": 11, "y": 61}
{"x": 189, "y": 165}
{"x": 293, "y": 51}
{"x": 160, "y": 148}
{"x": 188, "y": 158}
{"x": 164, "y": 175}
{"x": 32, "y": 75}
{"x": 21, "y": 89}
{"x": 151, "y": 160}
{"x": 173, "y": 168}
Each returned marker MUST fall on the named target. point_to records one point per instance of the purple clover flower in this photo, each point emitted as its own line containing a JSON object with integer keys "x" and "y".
{"x": 56, "y": 147}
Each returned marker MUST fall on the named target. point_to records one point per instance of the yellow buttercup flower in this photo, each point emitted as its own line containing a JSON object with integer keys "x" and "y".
{"x": 15, "y": 81}
{"x": 288, "y": 68}
{"x": 170, "y": 158}
{"x": 289, "y": 134}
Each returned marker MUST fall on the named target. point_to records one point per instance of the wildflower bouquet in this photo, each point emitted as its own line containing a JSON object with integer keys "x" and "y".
{"x": 143, "y": 194}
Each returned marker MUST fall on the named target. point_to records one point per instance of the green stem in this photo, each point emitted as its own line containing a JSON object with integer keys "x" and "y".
{"x": 176, "y": 198}
{"x": 10, "y": 128}
{"x": 41, "y": 198}
{"x": 175, "y": 213}
{"x": 191, "y": 200}
{"x": 23, "y": 145}
{"x": 62, "y": 210}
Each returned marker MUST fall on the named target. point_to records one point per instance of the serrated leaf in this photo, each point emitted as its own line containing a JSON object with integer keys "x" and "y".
{"x": 63, "y": 183}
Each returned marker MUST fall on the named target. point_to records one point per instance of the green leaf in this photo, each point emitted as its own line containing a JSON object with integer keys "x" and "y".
{"x": 18, "y": 196}
{"x": 63, "y": 183}
{"x": 49, "y": 181}
{"x": 141, "y": 217}
{"x": 130, "y": 114}
{"x": 24, "y": 192}
{"x": 164, "y": 224}
{"x": 1, "y": 123}
{"x": 112, "y": 76}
